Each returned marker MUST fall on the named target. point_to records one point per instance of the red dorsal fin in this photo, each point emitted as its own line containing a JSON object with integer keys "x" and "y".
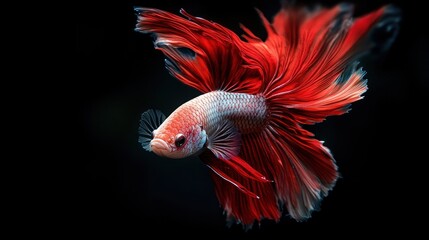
{"x": 201, "y": 53}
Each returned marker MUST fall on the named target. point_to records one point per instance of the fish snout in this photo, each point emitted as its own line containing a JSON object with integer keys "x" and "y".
{"x": 159, "y": 146}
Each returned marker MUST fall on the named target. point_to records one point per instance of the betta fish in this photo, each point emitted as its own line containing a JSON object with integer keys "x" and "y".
{"x": 256, "y": 96}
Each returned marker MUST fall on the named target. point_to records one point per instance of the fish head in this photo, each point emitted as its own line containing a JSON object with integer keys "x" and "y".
{"x": 177, "y": 136}
{"x": 178, "y": 140}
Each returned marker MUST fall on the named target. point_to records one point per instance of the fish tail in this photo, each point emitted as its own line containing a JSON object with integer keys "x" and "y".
{"x": 319, "y": 78}
{"x": 310, "y": 71}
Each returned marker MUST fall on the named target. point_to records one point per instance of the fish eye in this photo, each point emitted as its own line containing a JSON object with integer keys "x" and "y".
{"x": 180, "y": 140}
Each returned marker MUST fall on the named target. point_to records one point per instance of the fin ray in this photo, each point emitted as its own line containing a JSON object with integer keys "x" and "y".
{"x": 224, "y": 140}
{"x": 149, "y": 121}
{"x": 201, "y": 53}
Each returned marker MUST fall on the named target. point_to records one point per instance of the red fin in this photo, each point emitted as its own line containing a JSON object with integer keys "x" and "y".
{"x": 308, "y": 59}
{"x": 245, "y": 170}
{"x": 227, "y": 178}
{"x": 239, "y": 205}
{"x": 305, "y": 170}
{"x": 237, "y": 165}
{"x": 201, "y": 53}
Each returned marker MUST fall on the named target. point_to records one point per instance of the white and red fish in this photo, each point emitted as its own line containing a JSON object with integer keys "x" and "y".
{"x": 256, "y": 95}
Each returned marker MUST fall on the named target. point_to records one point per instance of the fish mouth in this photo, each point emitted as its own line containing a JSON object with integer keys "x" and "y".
{"x": 159, "y": 146}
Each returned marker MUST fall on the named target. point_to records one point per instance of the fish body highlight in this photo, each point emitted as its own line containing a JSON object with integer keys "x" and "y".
{"x": 247, "y": 125}
{"x": 247, "y": 114}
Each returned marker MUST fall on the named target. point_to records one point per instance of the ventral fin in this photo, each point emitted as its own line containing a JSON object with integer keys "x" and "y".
{"x": 227, "y": 178}
{"x": 244, "y": 169}
{"x": 223, "y": 140}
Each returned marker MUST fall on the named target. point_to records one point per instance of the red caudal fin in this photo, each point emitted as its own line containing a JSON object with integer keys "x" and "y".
{"x": 308, "y": 63}
{"x": 200, "y": 53}
{"x": 303, "y": 169}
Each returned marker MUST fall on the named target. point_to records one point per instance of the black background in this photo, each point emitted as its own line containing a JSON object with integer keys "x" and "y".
{"x": 119, "y": 188}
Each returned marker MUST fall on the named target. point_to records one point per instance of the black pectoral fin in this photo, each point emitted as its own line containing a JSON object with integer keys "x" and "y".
{"x": 224, "y": 140}
{"x": 149, "y": 121}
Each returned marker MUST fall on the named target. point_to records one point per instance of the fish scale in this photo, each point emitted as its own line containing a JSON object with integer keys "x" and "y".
{"x": 248, "y": 112}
